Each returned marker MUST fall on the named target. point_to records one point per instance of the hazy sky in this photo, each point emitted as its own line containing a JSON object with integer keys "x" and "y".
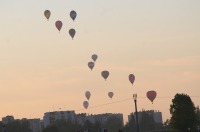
{"x": 43, "y": 70}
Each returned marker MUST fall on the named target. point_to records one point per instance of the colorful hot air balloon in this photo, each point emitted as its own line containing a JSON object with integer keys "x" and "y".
{"x": 91, "y": 65}
{"x": 73, "y": 15}
{"x": 151, "y": 95}
{"x": 94, "y": 57}
{"x": 131, "y": 78}
{"x": 72, "y": 32}
{"x": 110, "y": 94}
{"x": 85, "y": 104}
{"x": 58, "y": 25}
{"x": 87, "y": 95}
{"x": 105, "y": 74}
{"x": 47, "y": 14}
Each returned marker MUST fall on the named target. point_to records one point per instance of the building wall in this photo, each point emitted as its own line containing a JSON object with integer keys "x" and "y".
{"x": 50, "y": 117}
{"x": 35, "y": 125}
{"x": 101, "y": 118}
{"x": 156, "y": 115}
{"x": 7, "y": 119}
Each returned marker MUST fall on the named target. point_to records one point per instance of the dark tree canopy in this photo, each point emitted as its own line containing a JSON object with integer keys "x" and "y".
{"x": 183, "y": 113}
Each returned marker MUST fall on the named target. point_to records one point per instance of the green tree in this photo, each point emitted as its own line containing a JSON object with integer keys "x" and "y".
{"x": 183, "y": 113}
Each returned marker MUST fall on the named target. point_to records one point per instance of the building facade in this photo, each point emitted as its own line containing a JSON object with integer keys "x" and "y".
{"x": 157, "y": 115}
{"x": 7, "y": 119}
{"x": 100, "y": 118}
{"x": 50, "y": 117}
{"x": 35, "y": 125}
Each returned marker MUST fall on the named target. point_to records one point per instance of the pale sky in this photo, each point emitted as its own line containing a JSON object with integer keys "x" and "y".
{"x": 43, "y": 70}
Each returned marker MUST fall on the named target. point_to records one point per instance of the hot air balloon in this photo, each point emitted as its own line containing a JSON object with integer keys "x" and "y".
{"x": 110, "y": 94}
{"x": 85, "y": 104}
{"x": 94, "y": 57}
{"x": 72, "y": 32}
{"x": 87, "y": 95}
{"x": 73, "y": 15}
{"x": 91, "y": 65}
{"x": 105, "y": 74}
{"x": 58, "y": 25}
{"x": 47, "y": 14}
{"x": 131, "y": 78}
{"x": 151, "y": 95}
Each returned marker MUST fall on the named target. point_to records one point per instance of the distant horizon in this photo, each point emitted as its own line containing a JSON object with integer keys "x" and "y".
{"x": 125, "y": 117}
{"x": 88, "y": 114}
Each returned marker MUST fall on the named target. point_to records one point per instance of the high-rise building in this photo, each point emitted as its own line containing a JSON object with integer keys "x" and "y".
{"x": 101, "y": 118}
{"x": 7, "y": 119}
{"x": 50, "y": 117}
{"x": 35, "y": 125}
{"x": 156, "y": 115}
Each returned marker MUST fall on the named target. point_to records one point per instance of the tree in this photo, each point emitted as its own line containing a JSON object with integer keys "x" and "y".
{"x": 166, "y": 124}
{"x": 183, "y": 113}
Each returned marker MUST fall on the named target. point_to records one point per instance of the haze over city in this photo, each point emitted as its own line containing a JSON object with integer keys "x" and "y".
{"x": 43, "y": 70}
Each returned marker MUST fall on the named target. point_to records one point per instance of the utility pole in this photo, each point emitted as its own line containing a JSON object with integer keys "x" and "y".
{"x": 136, "y": 113}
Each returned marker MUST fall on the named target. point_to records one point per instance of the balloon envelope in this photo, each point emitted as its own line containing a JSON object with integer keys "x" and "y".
{"x": 58, "y": 25}
{"x": 73, "y": 15}
{"x": 131, "y": 78}
{"x": 87, "y": 95}
{"x": 151, "y": 95}
{"x": 110, "y": 94}
{"x": 91, "y": 65}
{"x": 94, "y": 57}
{"x": 105, "y": 74}
{"x": 72, "y": 32}
{"x": 85, "y": 104}
{"x": 47, "y": 14}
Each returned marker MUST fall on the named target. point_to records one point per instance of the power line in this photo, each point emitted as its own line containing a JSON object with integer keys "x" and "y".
{"x": 127, "y": 100}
